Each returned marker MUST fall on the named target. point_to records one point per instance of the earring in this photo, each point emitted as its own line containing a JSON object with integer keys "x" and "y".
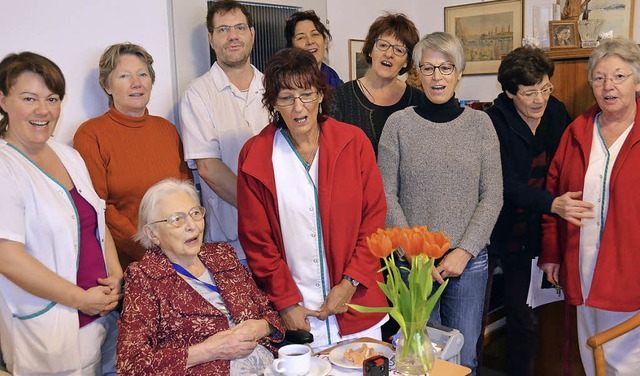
{"x": 277, "y": 116}
{"x": 320, "y": 109}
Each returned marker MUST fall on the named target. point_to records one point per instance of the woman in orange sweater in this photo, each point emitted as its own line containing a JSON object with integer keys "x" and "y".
{"x": 126, "y": 149}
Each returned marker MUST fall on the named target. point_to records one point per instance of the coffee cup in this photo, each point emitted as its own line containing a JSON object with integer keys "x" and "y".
{"x": 293, "y": 360}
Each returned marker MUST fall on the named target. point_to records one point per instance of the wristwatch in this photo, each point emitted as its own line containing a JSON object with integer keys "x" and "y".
{"x": 353, "y": 282}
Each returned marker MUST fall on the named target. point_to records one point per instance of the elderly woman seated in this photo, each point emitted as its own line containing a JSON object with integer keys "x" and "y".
{"x": 190, "y": 308}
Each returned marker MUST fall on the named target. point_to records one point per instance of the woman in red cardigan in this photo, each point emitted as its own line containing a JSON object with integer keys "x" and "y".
{"x": 599, "y": 155}
{"x": 309, "y": 193}
{"x": 189, "y": 308}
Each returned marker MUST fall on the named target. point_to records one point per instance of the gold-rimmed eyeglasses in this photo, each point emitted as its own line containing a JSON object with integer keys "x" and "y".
{"x": 530, "y": 94}
{"x": 289, "y": 100}
{"x": 444, "y": 68}
{"x": 178, "y": 219}
{"x": 398, "y": 50}
{"x": 225, "y": 29}
{"x": 617, "y": 79}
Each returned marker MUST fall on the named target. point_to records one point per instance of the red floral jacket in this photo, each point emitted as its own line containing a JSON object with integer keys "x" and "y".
{"x": 163, "y": 315}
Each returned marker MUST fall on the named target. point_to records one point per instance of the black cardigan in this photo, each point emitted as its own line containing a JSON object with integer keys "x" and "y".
{"x": 516, "y": 151}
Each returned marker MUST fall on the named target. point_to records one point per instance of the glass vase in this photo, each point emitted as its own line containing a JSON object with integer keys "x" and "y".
{"x": 414, "y": 353}
{"x": 589, "y": 31}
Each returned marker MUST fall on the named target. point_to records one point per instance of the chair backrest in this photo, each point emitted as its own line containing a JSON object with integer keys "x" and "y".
{"x": 596, "y": 342}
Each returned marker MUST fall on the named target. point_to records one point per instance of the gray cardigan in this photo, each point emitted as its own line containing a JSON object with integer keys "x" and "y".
{"x": 444, "y": 175}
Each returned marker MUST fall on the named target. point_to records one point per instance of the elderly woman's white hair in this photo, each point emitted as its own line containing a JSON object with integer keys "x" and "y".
{"x": 151, "y": 200}
{"x": 625, "y": 49}
{"x": 445, "y": 43}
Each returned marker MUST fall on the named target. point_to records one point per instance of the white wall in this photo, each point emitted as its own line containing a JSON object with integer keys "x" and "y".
{"x": 73, "y": 33}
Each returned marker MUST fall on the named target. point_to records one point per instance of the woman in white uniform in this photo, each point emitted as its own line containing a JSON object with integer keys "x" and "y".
{"x": 309, "y": 193}
{"x": 597, "y": 261}
{"x": 60, "y": 276}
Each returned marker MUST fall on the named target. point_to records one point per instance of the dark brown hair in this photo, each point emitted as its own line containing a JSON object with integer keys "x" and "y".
{"x": 15, "y": 64}
{"x": 523, "y": 66}
{"x": 224, "y": 7}
{"x": 293, "y": 68}
{"x": 309, "y": 15}
{"x": 397, "y": 25}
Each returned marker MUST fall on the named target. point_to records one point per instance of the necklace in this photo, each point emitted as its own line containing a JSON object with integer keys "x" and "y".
{"x": 309, "y": 161}
{"x": 361, "y": 84}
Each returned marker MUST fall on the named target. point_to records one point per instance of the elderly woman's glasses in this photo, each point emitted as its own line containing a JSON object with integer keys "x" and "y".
{"x": 444, "y": 68}
{"x": 398, "y": 50}
{"x": 178, "y": 219}
{"x": 225, "y": 29}
{"x": 304, "y": 98}
{"x": 530, "y": 94}
{"x": 616, "y": 79}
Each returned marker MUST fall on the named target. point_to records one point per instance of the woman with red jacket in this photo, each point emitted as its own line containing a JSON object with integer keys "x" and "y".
{"x": 597, "y": 261}
{"x": 309, "y": 193}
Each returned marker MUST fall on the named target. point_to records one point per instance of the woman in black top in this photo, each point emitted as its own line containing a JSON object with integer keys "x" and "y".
{"x": 368, "y": 101}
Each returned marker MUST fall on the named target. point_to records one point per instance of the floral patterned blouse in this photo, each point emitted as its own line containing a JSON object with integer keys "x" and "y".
{"x": 162, "y": 315}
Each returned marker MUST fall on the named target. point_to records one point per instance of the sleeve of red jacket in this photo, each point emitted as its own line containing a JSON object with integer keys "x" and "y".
{"x": 258, "y": 239}
{"x": 136, "y": 352}
{"x": 551, "y": 252}
{"x": 364, "y": 266}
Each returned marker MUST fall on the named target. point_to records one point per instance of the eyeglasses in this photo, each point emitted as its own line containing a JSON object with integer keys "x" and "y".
{"x": 304, "y": 98}
{"x": 225, "y": 29}
{"x": 530, "y": 94}
{"x": 444, "y": 68}
{"x": 616, "y": 79}
{"x": 398, "y": 50}
{"x": 178, "y": 219}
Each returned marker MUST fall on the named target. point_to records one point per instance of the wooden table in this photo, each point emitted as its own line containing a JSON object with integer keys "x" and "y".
{"x": 441, "y": 367}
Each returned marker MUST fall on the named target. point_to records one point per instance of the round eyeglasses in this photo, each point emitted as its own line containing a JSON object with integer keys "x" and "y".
{"x": 304, "y": 98}
{"x": 178, "y": 219}
{"x": 530, "y": 94}
{"x": 429, "y": 69}
{"x": 616, "y": 79}
{"x": 398, "y": 50}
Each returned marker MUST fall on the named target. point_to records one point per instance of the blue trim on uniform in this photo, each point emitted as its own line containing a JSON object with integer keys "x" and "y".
{"x": 604, "y": 180}
{"x": 73, "y": 205}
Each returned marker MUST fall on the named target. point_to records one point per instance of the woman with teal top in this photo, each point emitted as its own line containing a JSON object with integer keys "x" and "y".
{"x": 60, "y": 273}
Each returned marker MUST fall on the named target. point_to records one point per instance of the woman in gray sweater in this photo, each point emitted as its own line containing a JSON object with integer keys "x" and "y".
{"x": 440, "y": 165}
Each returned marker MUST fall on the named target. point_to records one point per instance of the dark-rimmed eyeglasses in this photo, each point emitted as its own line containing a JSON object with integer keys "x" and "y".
{"x": 617, "y": 79}
{"x": 530, "y": 94}
{"x": 444, "y": 68}
{"x": 178, "y": 219}
{"x": 398, "y": 50}
{"x": 304, "y": 98}
{"x": 225, "y": 29}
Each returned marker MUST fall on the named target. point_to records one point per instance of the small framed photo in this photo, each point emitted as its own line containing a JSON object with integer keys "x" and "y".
{"x": 563, "y": 34}
{"x": 357, "y": 62}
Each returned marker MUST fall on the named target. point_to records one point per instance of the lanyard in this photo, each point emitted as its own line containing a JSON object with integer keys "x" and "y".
{"x": 186, "y": 273}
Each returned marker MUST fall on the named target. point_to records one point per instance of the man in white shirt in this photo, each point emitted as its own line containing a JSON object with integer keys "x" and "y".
{"x": 219, "y": 112}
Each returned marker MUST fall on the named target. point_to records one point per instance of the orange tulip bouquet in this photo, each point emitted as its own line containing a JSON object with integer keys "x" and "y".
{"x": 411, "y": 303}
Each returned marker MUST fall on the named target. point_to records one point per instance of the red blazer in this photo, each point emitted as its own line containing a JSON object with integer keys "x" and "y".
{"x": 616, "y": 284}
{"x": 163, "y": 315}
{"x": 352, "y": 207}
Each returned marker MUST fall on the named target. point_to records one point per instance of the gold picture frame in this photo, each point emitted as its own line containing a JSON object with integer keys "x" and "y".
{"x": 488, "y": 31}
{"x": 563, "y": 34}
{"x": 357, "y": 62}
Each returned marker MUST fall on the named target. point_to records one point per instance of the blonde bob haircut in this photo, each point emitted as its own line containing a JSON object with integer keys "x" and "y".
{"x": 151, "y": 201}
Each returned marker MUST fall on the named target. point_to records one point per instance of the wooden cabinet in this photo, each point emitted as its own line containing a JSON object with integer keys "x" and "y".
{"x": 570, "y": 79}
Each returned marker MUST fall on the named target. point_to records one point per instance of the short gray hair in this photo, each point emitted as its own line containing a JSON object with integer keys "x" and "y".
{"x": 625, "y": 49}
{"x": 445, "y": 43}
{"x": 151, "y": 200}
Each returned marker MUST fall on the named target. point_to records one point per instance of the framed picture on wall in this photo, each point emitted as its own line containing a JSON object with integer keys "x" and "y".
{"x": 617, "y": 16}
{"x": 563, "y": 34}
{"x": 488, "y": 30}
{"x": 357, "y": 63}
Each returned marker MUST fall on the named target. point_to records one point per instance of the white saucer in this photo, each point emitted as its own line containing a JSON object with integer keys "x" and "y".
{"x": 319, "y": 367}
